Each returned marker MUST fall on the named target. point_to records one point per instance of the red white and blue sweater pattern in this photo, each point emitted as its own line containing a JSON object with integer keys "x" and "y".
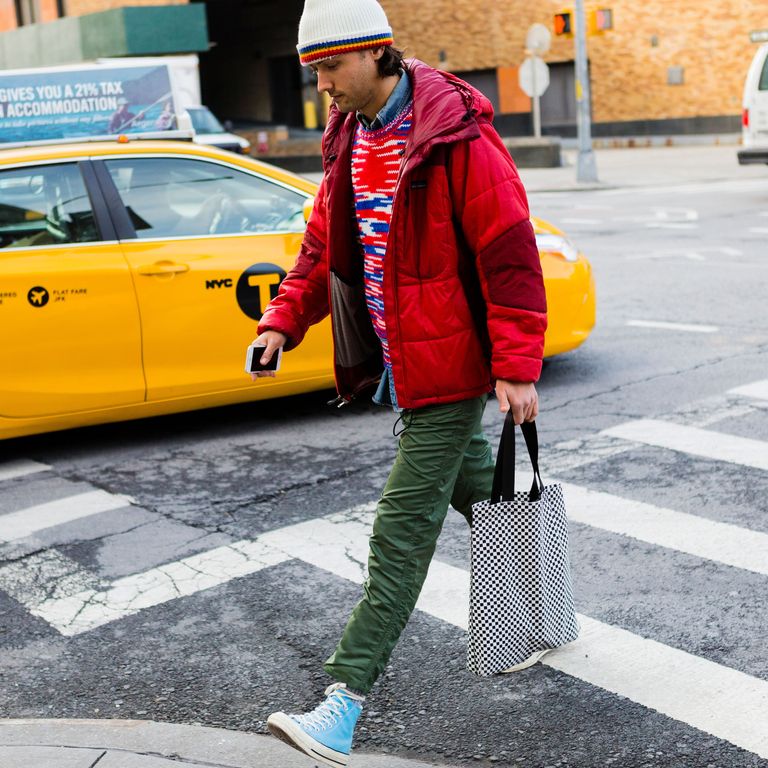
{"x": 376, "y": 159}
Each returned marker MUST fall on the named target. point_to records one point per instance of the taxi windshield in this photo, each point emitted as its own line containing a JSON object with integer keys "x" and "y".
{"x": 203, "y": 121}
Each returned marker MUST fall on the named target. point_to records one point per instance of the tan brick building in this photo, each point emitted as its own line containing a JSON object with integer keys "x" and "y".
{"x": 666, "y": 66}
{"x": 631, "y": 66}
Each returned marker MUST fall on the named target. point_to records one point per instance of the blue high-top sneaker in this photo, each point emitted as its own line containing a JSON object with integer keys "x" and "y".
{"x": 325, "y": 733}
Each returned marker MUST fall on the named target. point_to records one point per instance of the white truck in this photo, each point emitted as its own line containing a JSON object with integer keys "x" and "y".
{"x": 151, "y": 96}
{"x": 754, "y": 120}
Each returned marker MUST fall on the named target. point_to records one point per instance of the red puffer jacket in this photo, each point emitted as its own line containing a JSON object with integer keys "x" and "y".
{"x": 464, "y": 297}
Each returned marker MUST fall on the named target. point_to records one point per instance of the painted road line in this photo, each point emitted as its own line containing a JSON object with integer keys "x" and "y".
{"x": 669, "y": 225}
{"x": 25, "y": 522}
{"x": 715, "y": 699}
{"x": 87, "y": 609}
{"x": 571, "y": 454}
{"x": 344, "y": 532}
{"x": 585, "y": 222}
{"x": 707, "y": 539}
{"x": 673, "y": 326}
{"x": 758, "y": 390}
{"x": 19, "y": 468}
{"x": 710, "y": 410}
{"x": 697, "y": 442}
{"x": 339, "y": 544}
{"x": 598, "y": 446}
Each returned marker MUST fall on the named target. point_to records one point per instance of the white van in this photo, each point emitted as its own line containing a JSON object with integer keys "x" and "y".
{"x": 208, "y": 130}
{"x": 755, "y": 115}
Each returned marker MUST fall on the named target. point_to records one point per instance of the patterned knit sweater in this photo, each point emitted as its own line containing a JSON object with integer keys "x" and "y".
{"x": 376, "y": 159}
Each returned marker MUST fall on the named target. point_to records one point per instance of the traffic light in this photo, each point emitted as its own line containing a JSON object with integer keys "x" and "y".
{"x": 599, "y": 20}
{"x": 564, "y": 24}
{"x": 604, "y": 19}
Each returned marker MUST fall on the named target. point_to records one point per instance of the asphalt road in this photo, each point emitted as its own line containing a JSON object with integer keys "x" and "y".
{"x": 666, "y": 476}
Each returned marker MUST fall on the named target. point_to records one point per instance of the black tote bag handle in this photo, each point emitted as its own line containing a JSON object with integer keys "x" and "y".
{"x": 504, "y": 474}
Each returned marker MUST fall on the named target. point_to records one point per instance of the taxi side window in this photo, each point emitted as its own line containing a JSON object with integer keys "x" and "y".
{"x": 763, "y": 86}
{"x": 179, "y": 197}
{"x": 44, "y": 205}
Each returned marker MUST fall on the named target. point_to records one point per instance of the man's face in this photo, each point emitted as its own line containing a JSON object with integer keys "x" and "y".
{"x": 350, "y": 79}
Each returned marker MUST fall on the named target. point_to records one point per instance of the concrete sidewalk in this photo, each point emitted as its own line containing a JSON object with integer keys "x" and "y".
{"x": 646, "y": 167}
{"x": 146, "y": 744}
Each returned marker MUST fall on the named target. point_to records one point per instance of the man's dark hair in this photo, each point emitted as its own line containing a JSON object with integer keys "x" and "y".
{"x": 391, "y": 62}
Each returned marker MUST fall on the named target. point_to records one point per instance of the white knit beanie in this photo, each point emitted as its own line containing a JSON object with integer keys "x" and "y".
{"x": 330, "y": 27}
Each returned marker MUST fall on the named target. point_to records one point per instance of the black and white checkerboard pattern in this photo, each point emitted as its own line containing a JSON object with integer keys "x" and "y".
{"x": 521, "y": 598}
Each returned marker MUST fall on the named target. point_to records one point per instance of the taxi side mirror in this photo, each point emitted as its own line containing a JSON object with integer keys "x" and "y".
{"x": 308, "y": 204}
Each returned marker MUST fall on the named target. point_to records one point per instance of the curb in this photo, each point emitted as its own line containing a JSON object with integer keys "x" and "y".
{"x": 148, "y": 744}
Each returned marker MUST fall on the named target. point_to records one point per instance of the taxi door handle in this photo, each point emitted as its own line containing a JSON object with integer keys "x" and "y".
{"x": 162, "y": 268}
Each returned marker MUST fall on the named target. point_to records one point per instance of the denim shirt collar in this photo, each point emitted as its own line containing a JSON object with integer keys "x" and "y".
{"x": 396, "y": 102}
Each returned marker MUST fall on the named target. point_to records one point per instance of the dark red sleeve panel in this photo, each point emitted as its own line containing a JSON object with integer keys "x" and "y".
{"x": 302, "y": 299}
{"x": 512, "y": 267}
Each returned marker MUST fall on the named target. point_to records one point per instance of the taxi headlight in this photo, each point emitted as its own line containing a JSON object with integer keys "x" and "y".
{"x": 562, "y": 246}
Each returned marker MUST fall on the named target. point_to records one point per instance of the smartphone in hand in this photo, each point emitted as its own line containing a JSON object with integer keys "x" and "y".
{"x": 253, "y": 359}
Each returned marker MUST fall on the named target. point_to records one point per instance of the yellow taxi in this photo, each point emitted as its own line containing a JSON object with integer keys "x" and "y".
{"x": 133, "y": 275}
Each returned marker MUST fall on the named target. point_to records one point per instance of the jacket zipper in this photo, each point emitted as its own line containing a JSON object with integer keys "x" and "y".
{"x": 387, "y": 257}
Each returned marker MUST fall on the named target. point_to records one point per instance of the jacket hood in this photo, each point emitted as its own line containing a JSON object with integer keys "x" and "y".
{"x": 442, "y": 102}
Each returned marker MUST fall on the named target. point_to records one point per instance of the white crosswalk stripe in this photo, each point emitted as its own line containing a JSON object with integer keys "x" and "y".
{"x": 25, "y": 522}
{"x": 707, "y": 539}
{"x": 688, "y": 327}
{"x": 598, "y": 446}
{"x": 692, "y": 440}
{"x": 19, "y": 468}
{"x": 758, "y": 389}
{"x": 87, "y": 609}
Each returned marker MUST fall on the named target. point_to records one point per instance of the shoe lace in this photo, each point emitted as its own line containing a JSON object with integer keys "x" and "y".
{"x": 328, "y": 711}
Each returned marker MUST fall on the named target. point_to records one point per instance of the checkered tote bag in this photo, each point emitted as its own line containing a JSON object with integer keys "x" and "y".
{"x": 520, "y": 597}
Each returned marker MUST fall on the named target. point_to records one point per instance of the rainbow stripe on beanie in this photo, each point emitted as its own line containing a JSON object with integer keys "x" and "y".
{"x": 319, "y": 51}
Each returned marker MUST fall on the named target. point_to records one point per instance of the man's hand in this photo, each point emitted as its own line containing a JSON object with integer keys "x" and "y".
{"x": 521, "y": 398}
{"x": 273, "y": 340}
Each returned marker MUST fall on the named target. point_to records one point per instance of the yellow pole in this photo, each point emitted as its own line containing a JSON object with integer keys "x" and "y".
{"x": 310, "y": 115}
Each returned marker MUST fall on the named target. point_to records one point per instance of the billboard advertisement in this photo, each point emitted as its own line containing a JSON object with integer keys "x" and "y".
{"x": 62, "y": 103}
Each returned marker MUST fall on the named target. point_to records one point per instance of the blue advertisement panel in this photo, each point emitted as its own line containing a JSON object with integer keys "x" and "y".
{"x": 98, "y": 101}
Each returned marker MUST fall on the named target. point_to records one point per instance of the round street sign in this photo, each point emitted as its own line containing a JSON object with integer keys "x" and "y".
{"x": 538, "y": 39}
{"x": 534, "y": 77}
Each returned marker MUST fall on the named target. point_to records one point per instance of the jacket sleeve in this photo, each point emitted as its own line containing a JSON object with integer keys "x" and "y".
{"x": 490, "y": 204}
{"x": 302, "y": 299}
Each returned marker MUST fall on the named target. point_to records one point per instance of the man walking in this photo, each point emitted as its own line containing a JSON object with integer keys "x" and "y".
{"x": 421, "y": 249}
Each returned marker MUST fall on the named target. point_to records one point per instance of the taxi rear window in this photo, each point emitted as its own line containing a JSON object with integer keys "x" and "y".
{"x": 44, "y": 205}
{"x": 763, "y": 85}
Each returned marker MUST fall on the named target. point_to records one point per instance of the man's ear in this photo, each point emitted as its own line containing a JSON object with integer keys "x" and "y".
{"x": 377, "y": 52}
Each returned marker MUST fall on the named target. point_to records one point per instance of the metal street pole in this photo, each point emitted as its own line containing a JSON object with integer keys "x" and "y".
{"x": 586, "y": 169}
{"x": 536, "y": 105}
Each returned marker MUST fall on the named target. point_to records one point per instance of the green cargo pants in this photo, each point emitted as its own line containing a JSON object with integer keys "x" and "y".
{"x": 443, "y": 457}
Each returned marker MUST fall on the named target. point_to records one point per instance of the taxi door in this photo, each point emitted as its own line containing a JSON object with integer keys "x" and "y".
{"x": 69, "y": 324}
{"x": 209, "y": 244}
